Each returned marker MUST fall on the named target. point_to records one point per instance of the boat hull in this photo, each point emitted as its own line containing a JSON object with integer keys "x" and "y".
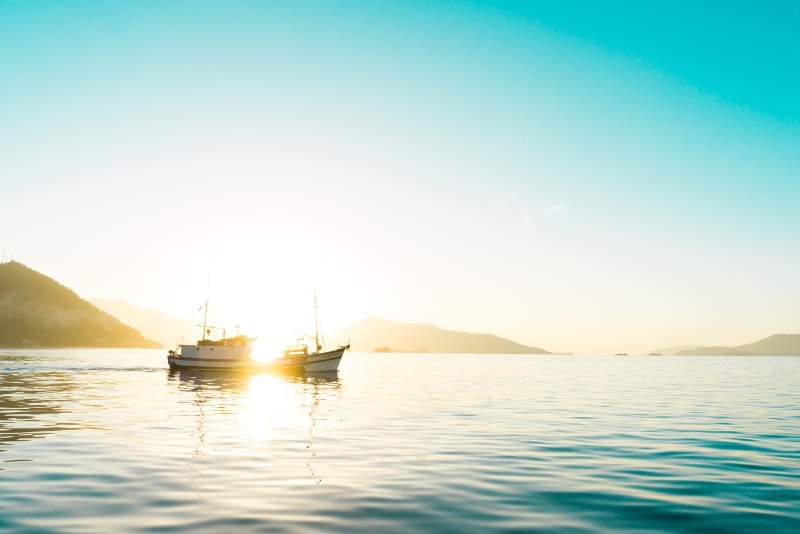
{"x": 308, "y": 363}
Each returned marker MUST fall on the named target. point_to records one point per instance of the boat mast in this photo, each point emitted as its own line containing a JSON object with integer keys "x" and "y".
{"x": 316, "y": 324}
{"x": 205, "y": 315}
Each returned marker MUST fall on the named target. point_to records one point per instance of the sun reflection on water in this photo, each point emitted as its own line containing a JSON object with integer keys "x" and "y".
{"x": 267, "y": 406}
{"x": 269, "y": 412}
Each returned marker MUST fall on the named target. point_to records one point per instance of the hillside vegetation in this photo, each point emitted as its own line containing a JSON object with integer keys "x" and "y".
{"x": 37, "y": 311}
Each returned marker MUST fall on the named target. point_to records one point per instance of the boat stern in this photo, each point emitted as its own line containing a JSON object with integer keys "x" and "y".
{"x": 325, "y": 361}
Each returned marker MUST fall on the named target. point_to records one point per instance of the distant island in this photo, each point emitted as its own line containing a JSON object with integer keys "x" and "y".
{"x": 776, "y": 345}
{"x": 374, "y": 334}
{"x": 668, "y": 351}
{"x": 37, "y": 311}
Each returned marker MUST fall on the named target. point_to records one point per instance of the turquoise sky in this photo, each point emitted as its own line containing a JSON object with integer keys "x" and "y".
{"x": 578, "y": 176}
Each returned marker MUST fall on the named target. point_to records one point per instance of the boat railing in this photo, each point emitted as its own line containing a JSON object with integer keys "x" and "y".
{"x": 298, "y": 349}
{"x": 211, "y": 342}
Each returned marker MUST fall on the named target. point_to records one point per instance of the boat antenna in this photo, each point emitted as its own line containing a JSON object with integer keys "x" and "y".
{"x": 305, "y": 336}
{"x": 208, "y": 292}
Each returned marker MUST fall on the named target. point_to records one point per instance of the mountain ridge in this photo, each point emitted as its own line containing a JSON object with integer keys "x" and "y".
{"x": 774, "y": 345}
{"x": 37, "y": 311}
{"x": 154, "y": 324}
{"x": 382, "y": 335}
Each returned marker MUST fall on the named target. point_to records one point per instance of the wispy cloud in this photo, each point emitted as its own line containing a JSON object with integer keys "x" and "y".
{"x": 556, "y": 208}
{"x": 514, "y": 205}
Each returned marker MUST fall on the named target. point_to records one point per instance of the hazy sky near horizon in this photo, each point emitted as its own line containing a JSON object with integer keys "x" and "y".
{"x": 578, "y": 176}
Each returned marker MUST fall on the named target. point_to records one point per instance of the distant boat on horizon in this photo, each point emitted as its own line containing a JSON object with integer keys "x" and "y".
{"x": 236, "y": 353}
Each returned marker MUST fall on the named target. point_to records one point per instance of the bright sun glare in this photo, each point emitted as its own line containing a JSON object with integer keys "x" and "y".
{"x": 270, "y": 296}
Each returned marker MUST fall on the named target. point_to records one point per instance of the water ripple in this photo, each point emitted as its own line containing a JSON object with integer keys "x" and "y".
{"x": 99, "y": 441}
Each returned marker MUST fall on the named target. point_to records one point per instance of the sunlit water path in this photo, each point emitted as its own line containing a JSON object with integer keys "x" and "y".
{"x": 102, "y": 441}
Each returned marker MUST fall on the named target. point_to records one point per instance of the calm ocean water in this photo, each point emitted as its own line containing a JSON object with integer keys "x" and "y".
{"x": 111, "y": 441}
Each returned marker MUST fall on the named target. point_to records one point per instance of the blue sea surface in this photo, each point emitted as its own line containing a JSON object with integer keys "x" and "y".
{"x": 112, "y": 441}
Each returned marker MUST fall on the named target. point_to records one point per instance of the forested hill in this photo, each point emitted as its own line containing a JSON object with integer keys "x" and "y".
{"x": 37, "y": 311}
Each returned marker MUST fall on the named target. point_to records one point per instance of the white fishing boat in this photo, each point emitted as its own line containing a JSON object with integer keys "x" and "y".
{"x": 236, "y": 353}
